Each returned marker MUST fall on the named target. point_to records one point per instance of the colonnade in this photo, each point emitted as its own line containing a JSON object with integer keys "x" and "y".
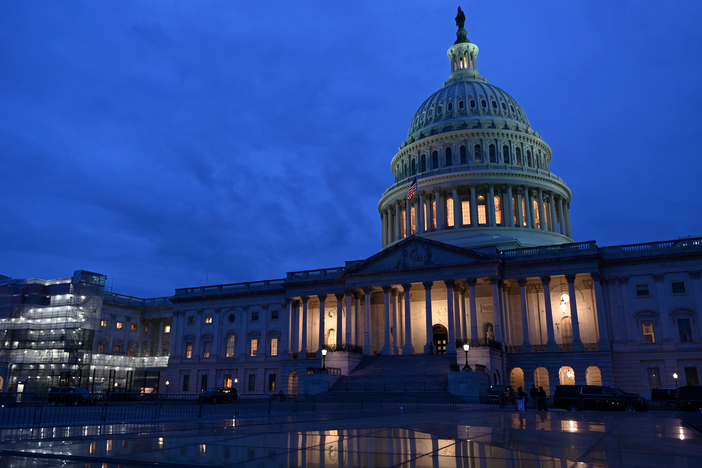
{"x": 478, "y": 205}
{"x": 396, "y": 335}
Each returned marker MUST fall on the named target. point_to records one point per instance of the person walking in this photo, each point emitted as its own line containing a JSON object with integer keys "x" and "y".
{"x": 521, "y": 400}
{"x": 542, "y": 399}
{"x": 534, "y": 394}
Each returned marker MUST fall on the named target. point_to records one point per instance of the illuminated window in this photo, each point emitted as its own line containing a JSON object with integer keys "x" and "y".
{"x": 536, "y": 214}
{"x": 116, "y": 350}
{"x": 143, "y": 351}
{"x": 274, "y": 346}
{"x": 546, "y": 215}
{"x": 518, "y": 152}
{"x": 101, "y": 348}
{"x": 462, "y": 152}
{"x": 206, "y": 349}
{"x": 524, "y": 213}
{"x": 505, "y": 154}
{"x": 435, "y": 160}
{"x": 254, "y": 346}
{"x": 404, "y": 224}
{"x": 448, "y": 157}
{"x": 230, "y": 346}
{"x": 433, "y": 214}
{"x": 189, "y": 350}
{"x": 514, "y": 210}
{"x": 498, "y": 209}
{"x": 413, "y": 221}
{"x": 103, "y": 323}
{"x": 465, "y": 209}
{"x": 134, "y": 327}
{"x": 493, "y": 153}
{"x": 130, "y": 352}
{"x": 477, "y": 154}
{"x": 120, "y": 325}
{"x": 449, "y": 212}
{"x": 482, "y": 210}
{"x": 685, "y": 330}
{"x": 654, "y": 377}
{"x": 167, "y": 329}
{"x": 425, "y": 217}
{"x": 208, "y": 319}
{"x": 227, "y": 380}
{"x": 566, "y": 330}
{"x": 647, "y": 330}
{"x": 146, "y": 329}
{"x": 271, "y": 382}
{"x": 191, "y": 320}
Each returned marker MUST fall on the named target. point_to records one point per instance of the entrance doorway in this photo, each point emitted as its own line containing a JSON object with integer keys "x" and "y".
{"x": 440, "y": 338}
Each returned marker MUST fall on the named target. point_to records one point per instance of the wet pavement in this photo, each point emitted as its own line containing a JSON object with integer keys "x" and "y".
{"x": 384, "y": 439}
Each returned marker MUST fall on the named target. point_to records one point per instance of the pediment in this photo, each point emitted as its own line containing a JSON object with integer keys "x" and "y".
{"x": 415, "y": 252}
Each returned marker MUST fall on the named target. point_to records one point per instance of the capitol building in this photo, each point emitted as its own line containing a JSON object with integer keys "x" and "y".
{"x": 476, "y": 248}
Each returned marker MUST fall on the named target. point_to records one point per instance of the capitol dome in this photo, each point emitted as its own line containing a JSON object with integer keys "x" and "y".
{"x": 482, "y": 173}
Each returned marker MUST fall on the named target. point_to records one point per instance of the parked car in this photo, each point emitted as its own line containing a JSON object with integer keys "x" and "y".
{"x": 219, "y": 395}
{"x": 689, "y": 398}
{"x": 496, "y": 392}
{"x": 664, "y": 394}
{"x": 596, "y": 398}
{"x": 69, "y": 395}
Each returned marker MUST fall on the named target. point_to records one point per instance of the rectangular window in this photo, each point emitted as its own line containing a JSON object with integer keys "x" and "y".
{"x": 482, "y": 214}
{"x": 131, "y": 351}
{"x": 103, "y": 323}
{"x": 191, "y": 320}
{"x": 230, "y": 346}
{"x": 206, "y": 349}
{"x": 120, "y": 325}
{"x": 134, "y": 327}
{"x": 254, "y": 346}
{"x": 186, "y": 382}
{"x": 691, "y": 376}
{"x": 404, "y": 225}
{"x": 208, "y": 319}
{"x": 425, "y": 218}
{"x": 227, "y": 382}
{"x": 143, "y": 351}
{"x": 271, "y": 383}
{"x": 465, "y": 209}
{"x": 188, "y": 350}
{"x": 654, "y": 378}
{"x": 433, "y": 214}
{"x": 101, "y": 348}
{"x": 413, "y": 221}
{"x": 274, "y": 315}
{"x": 678, "y": 287}
{"x": 535, "y": 207}
{"x": 254, "y": 316}
{"x": 647, "y": 329}
{"x": 449, "y": 212}
{"x": 274, "y": 346}
{"x": 498, "y": 210}
{"x": 167, "y": 329}
{"x": 252, "y": 382}
{"x": 203, "y": 383}
{"x": 116, "y": 350}
{"x": 642, "y": 290}
{"x": 146, "y": 329}
{"x": 685, "y": 330}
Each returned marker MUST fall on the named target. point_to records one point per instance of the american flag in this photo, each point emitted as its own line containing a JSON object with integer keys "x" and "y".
{"x": 412, "y": 189}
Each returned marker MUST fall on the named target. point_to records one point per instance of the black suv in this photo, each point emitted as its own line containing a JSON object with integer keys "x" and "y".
{"x": 69, "y": 395}
{"x": 219, "y": 395}
{"x": 690, "y": 398}
{"x": 596, "y": 398}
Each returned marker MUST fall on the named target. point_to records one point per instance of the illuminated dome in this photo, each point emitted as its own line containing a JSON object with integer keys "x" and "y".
{"x": 482, "y": 172}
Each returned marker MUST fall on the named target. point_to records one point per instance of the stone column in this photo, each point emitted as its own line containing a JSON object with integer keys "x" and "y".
{"x": 366, "y": 322}
{"x": 542, "y": 219}
{"x": 322, "y": 299}
{"x": 420, "y": 213}
{"x": 528, "y": 208}
{"x": 303, "y": 341}
{"x": 497, "y": 316}
{"x": 396, "y": 344}
{"x": 387, "y": 350}
{"x": 429, "y": 320}
{"x": 295, "y": 338}
{"x": 457, "y": 218}
{"x": 552, "y": 218}
{"x": 339, "y": 318}
{"x": 561, "y": 216}
{"x": 398, "y": 221}
{"x": 577, "y": 344}
{"x": 567, "y": 216}
{"x": 457, "y": 310}
{"x": 462, "y": 313}
{"x": 551, "y": 345}
{"x": 287, "y": 305}
{"x": 473, "y": 312}
{"x": 440, "y": 210}
{"x": 473, "y": 207}
{"x": 357, "y": 319}
{"x": 510, "y": 207}
{"x": 526, "y": 343}
{"x": 408, "y": 348}
{"x": 349, "y": 295}
{"x": 451, "y": 345}
{"x": 384, "y": 220}
{"x": 520, "y": 214}
{"x": 491, "y": 205}
{"x": 602, "y": 340}
{"x": 149, "y": 337}
{"x": 408, "y": 218}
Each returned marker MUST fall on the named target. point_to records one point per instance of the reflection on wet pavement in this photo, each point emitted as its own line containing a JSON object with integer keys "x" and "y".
{"x": 431, "y": 439}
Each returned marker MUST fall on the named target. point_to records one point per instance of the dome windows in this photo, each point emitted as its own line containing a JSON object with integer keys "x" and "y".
{"x": 440, "y": 107}
{"x": 472, "y": 103}
{"x": 423, "y": 163}
{"x": 512, "y": 108}
{"x": 461, "y": 104}
{"x": 518, "y": 152}
{"x": 483, "y": 103}
{"x": 414, "y": 167}
{"x": 448, "y": 157}
{"x": 504, "y": 107}
{"x": 449, "y": 106}
{"x": 505, "y": 154}
{"x": 477, "y": 153}
{"x": 529, "y": 162}
{"x": 462, "y": 153}
{"x": 435, "y": 159}
{"x": 493, "y": 153}
{"x": 494, "y": 105}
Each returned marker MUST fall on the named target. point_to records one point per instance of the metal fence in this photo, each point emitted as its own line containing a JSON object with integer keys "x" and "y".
{"x": 29, "y": 409}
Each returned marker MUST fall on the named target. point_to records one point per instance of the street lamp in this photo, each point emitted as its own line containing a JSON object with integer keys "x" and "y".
{"x": 466, "y": 347}
{"x": 324, "y": 360}
{"x": 675, "y": 376}
{"x": 167, "y": 384}
{"x": 236, "y": 381}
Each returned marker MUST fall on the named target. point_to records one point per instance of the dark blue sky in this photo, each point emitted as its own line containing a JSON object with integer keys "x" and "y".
{"x": 151, "y": 140}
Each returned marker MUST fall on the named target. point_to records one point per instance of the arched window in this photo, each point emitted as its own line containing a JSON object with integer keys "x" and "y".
{"x": 537, "y": 156}
{"x": 433, "y": 214}
{"x": 449, "y": 212}
{"x": 414, "y": 167}
{"x": 435, "y": 160}
{"x": 482, "y": 210}
{"x": 518, "y": 151}
{"x": 566, "y": 330}
{"x": 404, "y": 172}
{"x": 413, "y": 221}
{"x": 465, "y": 210}
{"x": 505, "y": 154}
{"x": 477, "y": 154}
{"x": 529, "y": 162}
{"x": 536, "y": 214}
{"x": 514, "y": 211}
{"x": 448, "y": 158}
{"x": 229, "y": 343}
{"x": 546, "y": 215}
{"x": 493, "y": 153}
{"x": 498, "y": 209}
{"x": 462, "y": 152}
{"x": 423, "y": 163}
{"x": 331, "y": 337}
{"x": 449, "y": 106}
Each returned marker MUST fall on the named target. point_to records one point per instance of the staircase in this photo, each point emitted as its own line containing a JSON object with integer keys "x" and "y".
{"x": 411, "y": 373}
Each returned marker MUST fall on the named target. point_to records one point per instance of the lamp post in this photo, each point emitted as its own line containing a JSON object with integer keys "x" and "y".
{"x": 324, "y": 360}
{"x": 235, "y": 382}
{"x": 675, "y": 376}
{"x": 466, "y": 347}
{"x": 167, "y": 384}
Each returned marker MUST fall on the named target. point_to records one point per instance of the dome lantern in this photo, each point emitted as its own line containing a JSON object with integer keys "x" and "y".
{"x": 463, "y": 53}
